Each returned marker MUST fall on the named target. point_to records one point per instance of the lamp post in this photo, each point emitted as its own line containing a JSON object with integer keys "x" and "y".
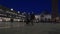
{"x": 11, "y": 19}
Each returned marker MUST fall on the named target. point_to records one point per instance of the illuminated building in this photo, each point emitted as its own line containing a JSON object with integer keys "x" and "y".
{"x": 6, "y": 14}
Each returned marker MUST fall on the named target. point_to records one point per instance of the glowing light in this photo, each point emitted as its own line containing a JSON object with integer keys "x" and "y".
{"x": 11, "y": 9}
{"x": 18, "y": 11}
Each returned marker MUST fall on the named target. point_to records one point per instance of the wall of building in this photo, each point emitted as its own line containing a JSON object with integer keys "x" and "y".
{"x": 0, "y": 19}
{"x": 37, "y": 17}
{"x": 8, "y": 19}
{"x": 17, "y": 19}
{"x": 45, "y": 17}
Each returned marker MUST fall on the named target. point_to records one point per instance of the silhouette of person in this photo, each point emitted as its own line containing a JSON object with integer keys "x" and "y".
{"x": 32, "y": 18}
{"x": 11, "y": 22}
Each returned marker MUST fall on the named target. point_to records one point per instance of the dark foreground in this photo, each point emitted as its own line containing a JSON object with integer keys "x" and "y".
{"x": 22, "y": 28}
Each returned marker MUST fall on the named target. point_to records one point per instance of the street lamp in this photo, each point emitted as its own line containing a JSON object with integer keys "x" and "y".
{"x": 18, "y": 11}
{"x": 11, "y": 9}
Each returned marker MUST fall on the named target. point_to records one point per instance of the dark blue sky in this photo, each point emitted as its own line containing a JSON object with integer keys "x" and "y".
{"x": 36, "y": 6}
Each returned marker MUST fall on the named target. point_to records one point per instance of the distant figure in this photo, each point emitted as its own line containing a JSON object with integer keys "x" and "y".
{"x": 32, "y": 18}
{"x": 11, "y": 23}
{"x": 11, "y": 20}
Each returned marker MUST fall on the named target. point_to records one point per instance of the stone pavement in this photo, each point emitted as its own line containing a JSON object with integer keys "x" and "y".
{"x": 37, "y": 28}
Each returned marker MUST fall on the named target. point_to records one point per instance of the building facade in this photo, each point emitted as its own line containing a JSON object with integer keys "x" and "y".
{"x": 44, "y": 18}
{"x": 6, "y": 14}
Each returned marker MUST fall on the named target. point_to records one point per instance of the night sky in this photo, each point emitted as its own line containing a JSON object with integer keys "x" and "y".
{"x": 37, "y": 6}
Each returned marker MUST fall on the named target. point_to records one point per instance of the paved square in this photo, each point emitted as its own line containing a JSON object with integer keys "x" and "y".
{"x": 22, "y": 28}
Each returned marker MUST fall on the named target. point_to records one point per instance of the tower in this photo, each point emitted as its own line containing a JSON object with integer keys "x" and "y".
{"x": 54, "y": 8}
